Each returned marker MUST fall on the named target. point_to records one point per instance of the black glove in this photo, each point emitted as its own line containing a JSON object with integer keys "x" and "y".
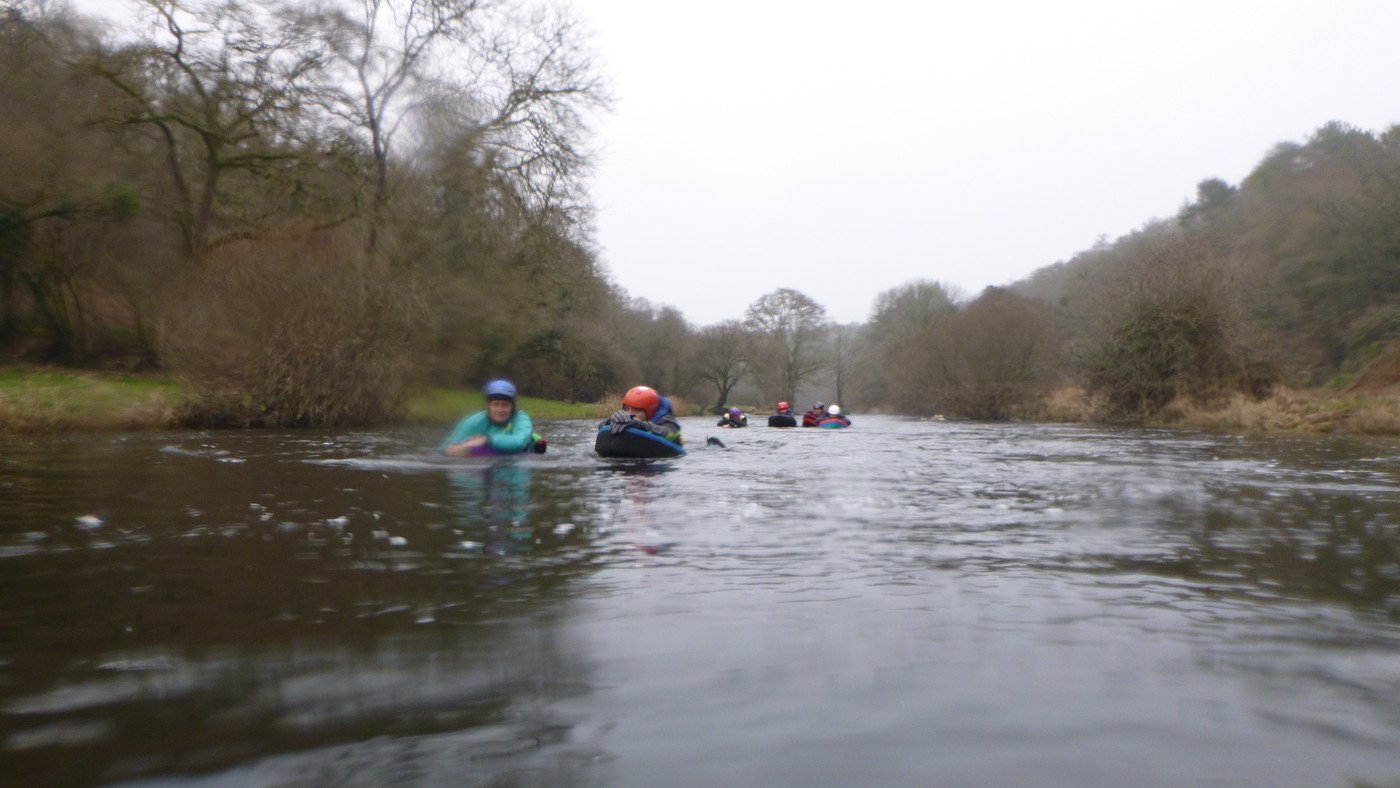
{"x": 620, "y": 421}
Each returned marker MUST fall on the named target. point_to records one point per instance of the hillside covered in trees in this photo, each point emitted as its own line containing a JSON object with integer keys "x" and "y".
{"x": 305, "y": 214}
{"x": 1289, "y": 280}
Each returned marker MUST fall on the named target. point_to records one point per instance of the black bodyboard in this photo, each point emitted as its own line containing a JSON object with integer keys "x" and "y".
{"x": 635, "y": 443}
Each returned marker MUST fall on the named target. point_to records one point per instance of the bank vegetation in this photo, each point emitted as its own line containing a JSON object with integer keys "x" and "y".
{"x": 310, "y": 215}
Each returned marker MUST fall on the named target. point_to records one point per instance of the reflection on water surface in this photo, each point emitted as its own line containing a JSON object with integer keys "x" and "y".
{"x": 904, "y": 602}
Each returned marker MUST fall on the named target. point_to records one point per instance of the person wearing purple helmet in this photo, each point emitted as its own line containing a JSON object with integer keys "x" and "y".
{"x": 733, "y": 418}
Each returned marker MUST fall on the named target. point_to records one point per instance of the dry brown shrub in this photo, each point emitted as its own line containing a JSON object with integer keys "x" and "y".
{"x": 612, "y": 403}
{"x": 296, "y": 327}
{"x": 1067, "y": 404}
{"x": 154, "y": 411}
{"x": 1381, "y": 374}
{"x": 1286, "y": 410}
{"x": 17, "y": 416}
{"x": 608, "y": 405}
{"x": 1378, "y": 415}
{"x": 681, "y": 407}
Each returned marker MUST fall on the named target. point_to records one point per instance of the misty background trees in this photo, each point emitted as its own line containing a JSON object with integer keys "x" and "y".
{"x": 449, "y": 136}
{"x": 307, "y": 210}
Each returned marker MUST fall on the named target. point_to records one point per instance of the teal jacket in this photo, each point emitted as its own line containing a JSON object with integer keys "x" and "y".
{"x": 513, "y": 436}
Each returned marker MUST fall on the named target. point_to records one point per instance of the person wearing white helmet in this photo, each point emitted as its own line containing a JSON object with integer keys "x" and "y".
{"x": 834, "y": 412}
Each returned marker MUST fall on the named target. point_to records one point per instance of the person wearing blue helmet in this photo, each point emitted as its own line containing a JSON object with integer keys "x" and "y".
{"x": 502, "y": 428}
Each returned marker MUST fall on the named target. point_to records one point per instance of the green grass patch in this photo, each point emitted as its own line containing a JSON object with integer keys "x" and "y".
{"x": 1344, "y": 404}
{"x": 46, "y": 399}
{"x": 444, "y": 406}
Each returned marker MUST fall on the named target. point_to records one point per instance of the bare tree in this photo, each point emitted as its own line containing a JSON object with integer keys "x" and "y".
{"x": 1167, "y": 332}
{"x": 722, "y": 358}
{"x": 791, "y": 327}
{"x": 61, "y": 196}
{"x": 908, "y": 330}
{"x": 263, "y": 341}
{"x": 219, "y": 83}
{"x": 1004, "y": 350}
{"x": 519, "y": 84}
{"x": 843, "y": 357}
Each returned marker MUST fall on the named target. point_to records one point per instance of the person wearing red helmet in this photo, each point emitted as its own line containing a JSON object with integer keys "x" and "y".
{"x": 644, "y": 409}
{"x": 782, "y": 416}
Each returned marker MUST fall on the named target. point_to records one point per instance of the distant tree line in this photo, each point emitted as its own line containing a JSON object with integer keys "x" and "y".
{"x": 305, "y": 210}
{"x": 1291, "y": 278}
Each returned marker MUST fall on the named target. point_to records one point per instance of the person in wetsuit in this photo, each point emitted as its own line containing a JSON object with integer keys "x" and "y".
{"x": 834, "y": 412}
{"x": 644, "y": 409}
{"x": 733, "y": 418}
{"x": 502, "y": 426}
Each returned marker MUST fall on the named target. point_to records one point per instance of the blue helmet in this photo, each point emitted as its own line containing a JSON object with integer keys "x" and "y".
{"x": 499, "y": 389}
{"x": 733, "y": 413}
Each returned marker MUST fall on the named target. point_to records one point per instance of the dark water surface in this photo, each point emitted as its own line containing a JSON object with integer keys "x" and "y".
{"x": 902, "y": 603}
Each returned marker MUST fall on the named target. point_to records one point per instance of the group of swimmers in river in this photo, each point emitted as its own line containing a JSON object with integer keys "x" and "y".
{"x": 503, "y": 428}
{"x": 782, "y": 417}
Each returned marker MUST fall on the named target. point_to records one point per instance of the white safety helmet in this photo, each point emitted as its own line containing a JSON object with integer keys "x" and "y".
{"x": 834, "y": 410}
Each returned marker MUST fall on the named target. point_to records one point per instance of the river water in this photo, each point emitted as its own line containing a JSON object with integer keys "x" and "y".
{"x": 901, "y": 603}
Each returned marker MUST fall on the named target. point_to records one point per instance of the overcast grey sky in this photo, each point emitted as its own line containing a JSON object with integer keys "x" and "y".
{"x": 843, "y": 149}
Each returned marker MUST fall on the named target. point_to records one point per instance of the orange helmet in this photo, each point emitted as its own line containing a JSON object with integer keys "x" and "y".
{"x": 643, "y": 397}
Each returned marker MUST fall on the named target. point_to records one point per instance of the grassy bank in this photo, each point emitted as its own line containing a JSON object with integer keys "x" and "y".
{"x": 1374, "y": 412}
{"x": 37, "y": 400}
{"x": 50, "y": 400}
{"x": 442, "y": 406}
{"x": 1313, "y": 410}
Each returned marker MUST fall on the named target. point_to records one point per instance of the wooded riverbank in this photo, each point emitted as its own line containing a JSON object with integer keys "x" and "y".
{"x": 42, "y": 399}
{"x": 269, "y": 267}
{"x": 1317, "y": 411}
